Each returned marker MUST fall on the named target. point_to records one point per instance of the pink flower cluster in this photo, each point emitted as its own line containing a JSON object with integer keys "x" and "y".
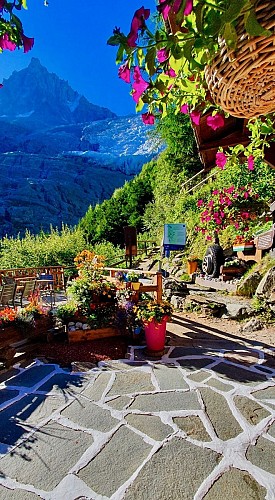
{"x": 165, "y": 6}
{"x": 227, "y": 207}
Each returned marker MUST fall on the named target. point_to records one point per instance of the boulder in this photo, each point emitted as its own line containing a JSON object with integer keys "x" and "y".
{"x": 237, "y": 311}
{"x": 266, "y": 287}
{"x": 248, "y": 285}
{"x": 252, "y": 325}
{"x": 177, "y": 302}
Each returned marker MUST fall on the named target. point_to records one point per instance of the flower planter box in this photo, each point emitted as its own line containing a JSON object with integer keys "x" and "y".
{"x": 99, "y": 333}
{"x": 242, "y": 247}
{"x": 230, "y": 272}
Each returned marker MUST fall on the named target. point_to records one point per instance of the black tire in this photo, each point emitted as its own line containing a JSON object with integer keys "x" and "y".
{"x": 212, "y": 261}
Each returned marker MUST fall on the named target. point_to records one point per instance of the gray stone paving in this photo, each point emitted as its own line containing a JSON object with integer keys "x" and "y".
{"x": 193, "y": 425}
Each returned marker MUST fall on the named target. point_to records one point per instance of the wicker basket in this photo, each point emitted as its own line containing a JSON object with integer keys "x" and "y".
{"x": 242, "y": 82}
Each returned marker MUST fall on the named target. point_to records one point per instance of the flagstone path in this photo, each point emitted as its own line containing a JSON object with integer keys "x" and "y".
{"x": 197, "y": 424}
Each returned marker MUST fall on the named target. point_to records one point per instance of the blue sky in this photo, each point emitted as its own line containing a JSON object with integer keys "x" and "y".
{"x": 70, "y": 40}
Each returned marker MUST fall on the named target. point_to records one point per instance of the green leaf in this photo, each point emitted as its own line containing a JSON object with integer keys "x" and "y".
{"x": 140, "y": 57}
{"x": 254, "y": 28}
{"x": 230, "y": 36}
{"x": 187, "y": 50}
{"x": 114, "y": 40}
{"x": 199, "y": 16}
{"x": 150, "y": 60}
{"x": 139, "y": 105}
{"x": 266, "y": 130}
{"x": 213, "y": 20}
{"x": 233, "y": 10}
{"x": 175, "y": 64}
{"x": 119, "y": 56}
{"x": 24, "y": 3}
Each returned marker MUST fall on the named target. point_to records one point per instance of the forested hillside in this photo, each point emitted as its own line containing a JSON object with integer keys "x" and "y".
{"x": 233, "y": 203}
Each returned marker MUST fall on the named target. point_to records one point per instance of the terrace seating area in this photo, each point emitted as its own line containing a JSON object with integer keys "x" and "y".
{"x": 17, "y": 286}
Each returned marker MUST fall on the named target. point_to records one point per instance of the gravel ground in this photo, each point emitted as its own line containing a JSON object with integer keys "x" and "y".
{"x": 89, "y": 352}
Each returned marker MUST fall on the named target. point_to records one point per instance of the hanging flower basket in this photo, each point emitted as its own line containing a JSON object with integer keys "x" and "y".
{"x": 243, "y": 82}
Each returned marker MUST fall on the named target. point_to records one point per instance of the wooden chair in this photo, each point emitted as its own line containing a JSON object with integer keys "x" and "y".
{"x": 24, "y": 291}
{"x": 7, "y": 294}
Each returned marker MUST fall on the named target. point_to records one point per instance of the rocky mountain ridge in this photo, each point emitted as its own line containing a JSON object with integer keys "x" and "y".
{"x": 59, "y": 153}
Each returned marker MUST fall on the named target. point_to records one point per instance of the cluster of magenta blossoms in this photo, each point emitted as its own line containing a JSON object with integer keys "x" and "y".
{"x": 11, "y": 30}
{"x": 234, "y": 206}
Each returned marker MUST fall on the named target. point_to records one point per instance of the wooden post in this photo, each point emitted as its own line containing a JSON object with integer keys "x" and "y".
{"x": 159, "y": 286}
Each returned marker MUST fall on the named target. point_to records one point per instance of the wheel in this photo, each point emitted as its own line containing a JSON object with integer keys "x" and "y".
{"x": 212, "y": 261}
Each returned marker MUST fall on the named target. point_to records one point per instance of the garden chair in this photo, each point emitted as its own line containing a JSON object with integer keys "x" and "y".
{"x": 46, "y": 289}
{"x": 7, "y": 295}
{"x": 24, "y": 292}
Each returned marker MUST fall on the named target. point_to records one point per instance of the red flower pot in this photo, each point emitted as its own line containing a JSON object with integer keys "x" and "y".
{"x": 155, "y": 335}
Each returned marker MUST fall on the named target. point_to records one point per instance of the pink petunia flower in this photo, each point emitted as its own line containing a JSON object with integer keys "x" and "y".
{"x": 215, "y": 192}
{"x": 211, "y": 203}
{"x": 215, "y": 122}
{"x": 139, "y": 85}
{"x": 195, "y": 117}
{"x": 188, "y": 7}
{"x": 184, "y": 109}
{"x": 221, "y": 160}
{"x": 200, "y": 203}
{"x": 171, "y": 72}
{"x": 164, "y": 8}
{"x": 28, "y": 43}
{"x": 162, "y": 55}
{"x": 124, "y": 73}
{"x": 138, "y": 23}
{"x": 230, "y": 189}
{"x": 236, "y": 225}
{"x": 148, "y": 118}
{"x": 6, "y": 43}
{"x": 250, "y": 162}
{"x": 208, "y": 237}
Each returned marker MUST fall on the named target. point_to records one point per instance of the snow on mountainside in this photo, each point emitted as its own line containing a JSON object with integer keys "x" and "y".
{"x": 121, "y": 136}
{"x": 59, "y": 153}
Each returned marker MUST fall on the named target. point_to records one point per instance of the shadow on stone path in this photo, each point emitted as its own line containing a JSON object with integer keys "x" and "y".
{"x": 197, "y": 424}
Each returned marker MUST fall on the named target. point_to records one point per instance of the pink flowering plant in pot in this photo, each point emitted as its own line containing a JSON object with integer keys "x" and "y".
{"x": 166, "y": 64}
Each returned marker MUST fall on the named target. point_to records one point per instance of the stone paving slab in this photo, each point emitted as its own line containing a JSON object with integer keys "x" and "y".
{"x": 166, "y": 429}
{"x": 104, "y": 474}
{"x": 64, "y": 383}
{"x": 169, "y": 377}
{"x": 24, "y": 415}
{"x": 236, "y": 484}
{"x": 7, "y": 395}
{"x": 30, "y": 377}
{"x": 86, "y": 414}
{"x": 179, "y": 464}
{"x": 46, "y": 456}
{"x": 8, "y": 494}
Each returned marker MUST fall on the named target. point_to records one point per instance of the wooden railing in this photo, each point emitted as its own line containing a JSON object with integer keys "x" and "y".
{"x": 33, "y": 272}
{"x": 156, "y": 287}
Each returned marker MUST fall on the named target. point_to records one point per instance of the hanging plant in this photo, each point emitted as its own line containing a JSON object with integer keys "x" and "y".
{"x": 187, "y": 64}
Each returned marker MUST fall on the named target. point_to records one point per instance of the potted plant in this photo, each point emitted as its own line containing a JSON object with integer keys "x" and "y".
{"x": 154, "y": 316}
{"x": 192, "y": 264}
{"x": 204, "y": 56}
{"x": 231, "y": 268}
{"x": 133, "y": 278}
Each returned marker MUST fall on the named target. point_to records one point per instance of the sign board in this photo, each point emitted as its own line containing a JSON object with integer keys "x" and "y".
{"x": 174, "y": 237}
{"x": 130, "y": 239}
